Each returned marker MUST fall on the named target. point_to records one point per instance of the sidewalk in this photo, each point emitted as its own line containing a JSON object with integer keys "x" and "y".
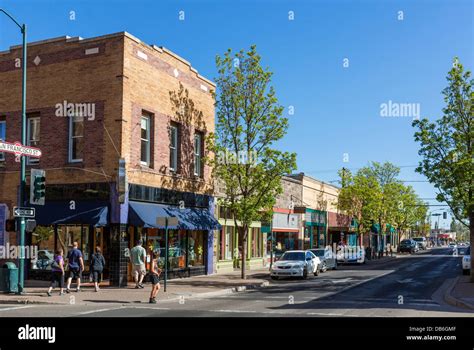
{"x": 177, "y": 289}
{"x": 460, "y": 293}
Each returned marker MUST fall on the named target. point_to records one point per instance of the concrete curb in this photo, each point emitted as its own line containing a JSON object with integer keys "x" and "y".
{"x": 23, "y": 300}
{"x": 448, "y": 298}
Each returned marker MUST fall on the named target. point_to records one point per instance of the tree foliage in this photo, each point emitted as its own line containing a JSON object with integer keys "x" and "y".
{"x": 447, "y": 148}
{"x": 249, "y": 122}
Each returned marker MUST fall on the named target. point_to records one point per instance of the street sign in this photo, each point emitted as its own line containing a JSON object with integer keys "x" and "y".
{"x": 19, "y": 150}
{"x": 22, "y": 212}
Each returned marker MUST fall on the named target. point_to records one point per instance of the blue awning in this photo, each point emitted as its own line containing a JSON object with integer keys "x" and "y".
{"x": 80, "y": 212}
{"x": 146, "y": 214}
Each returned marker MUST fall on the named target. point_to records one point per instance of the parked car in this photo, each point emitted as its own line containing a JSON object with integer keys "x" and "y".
{"x": 422, "y": 243}
{"x": 452, "y": 245}
{"x": 296, "y": 263}
{"x": 466, "y": 262}
{"x": 43, "y": 260}
{"x": 461, "y": 250}
{"x": 351, "y": 254}
{"x": 408, "y": 245}
{"x": 327, "y": 257}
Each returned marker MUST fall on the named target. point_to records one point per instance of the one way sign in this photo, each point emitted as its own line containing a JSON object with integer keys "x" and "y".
{"x": 20, "y": 212}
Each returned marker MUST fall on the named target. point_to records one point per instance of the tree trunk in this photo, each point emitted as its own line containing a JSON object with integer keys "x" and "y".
{"x": 471, "y": 232}
{"x": 244, "y": 252}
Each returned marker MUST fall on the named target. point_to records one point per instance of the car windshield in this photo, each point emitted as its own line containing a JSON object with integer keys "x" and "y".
{"x": 406, "y": 242}
{"x": 294, "y": 256}
{"x": 418, "y": 239}
{"x": 318, "y": 252}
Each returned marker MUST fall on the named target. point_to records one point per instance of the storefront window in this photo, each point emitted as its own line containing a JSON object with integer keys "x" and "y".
{"x": 256, "y": 244}
{"x": 43, "y": 238}
{"x": 286, "y": 241}
{"x": 184, "y": 247}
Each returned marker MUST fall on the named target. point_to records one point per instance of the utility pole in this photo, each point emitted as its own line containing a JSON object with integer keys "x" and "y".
{"x": 21, "y": 193}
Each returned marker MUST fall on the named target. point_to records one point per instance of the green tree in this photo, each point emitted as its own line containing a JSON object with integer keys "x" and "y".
{"x": 358, "y": 197}
{"x": 447, "y": 149}
{"x": 387, "y": 202}
{"x": 249, "y": 122}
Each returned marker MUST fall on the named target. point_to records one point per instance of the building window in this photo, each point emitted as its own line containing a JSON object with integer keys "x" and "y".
{"x": 76, "y": 139}
{"x": 174, "y": 148}
{"x": 3, "y": 135}
{"x": 33, "y": 136}
{"x": 198, "y": 154}
{"x": 145, "y": 141}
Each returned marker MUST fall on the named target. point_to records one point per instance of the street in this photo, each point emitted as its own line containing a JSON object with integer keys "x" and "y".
{"x": 409, "y": 286}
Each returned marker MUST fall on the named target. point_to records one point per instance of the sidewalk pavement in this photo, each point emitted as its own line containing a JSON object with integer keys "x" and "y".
{"x": 177, "y": 289}
{"x": 460, "y": 293}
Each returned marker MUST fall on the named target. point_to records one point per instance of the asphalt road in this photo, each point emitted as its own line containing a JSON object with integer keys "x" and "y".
{"x": 409, "y": 286}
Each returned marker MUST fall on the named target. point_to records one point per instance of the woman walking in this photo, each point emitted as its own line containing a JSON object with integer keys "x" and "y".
{"x": 97, "y": 267}
{"x": 155, "y": 278}
{"x": 57, "y": 272}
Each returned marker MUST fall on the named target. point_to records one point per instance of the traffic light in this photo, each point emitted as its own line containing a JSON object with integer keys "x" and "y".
{"x": 37, "y": 186}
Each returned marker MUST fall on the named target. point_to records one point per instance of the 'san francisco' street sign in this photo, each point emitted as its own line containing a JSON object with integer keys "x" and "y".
{"x": 22, "y": 212}
{"x": 19, "y": 150}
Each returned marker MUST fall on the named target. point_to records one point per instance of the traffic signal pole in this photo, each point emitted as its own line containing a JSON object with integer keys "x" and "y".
{"x": 21, "y": 195}
{"x": 21, "y": 190}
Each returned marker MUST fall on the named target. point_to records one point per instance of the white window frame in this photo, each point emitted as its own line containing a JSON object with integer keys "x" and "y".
{"x": 71, "y": 121}
{"x": 2, "y": 154}
{"x": 174, "y": 147}
{"x": 147, "y": 140}
{"x": 197, "y": 154}
{"x": 28, "y": 138}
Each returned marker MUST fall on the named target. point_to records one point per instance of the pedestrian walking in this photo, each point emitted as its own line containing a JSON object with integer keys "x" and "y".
{"x": 57, "y": 272}
{"x": 97, "y": 267}
{"x": 137, "y": 257}
{"x": 154, "y": 278}
{"x": 75, "y": 264}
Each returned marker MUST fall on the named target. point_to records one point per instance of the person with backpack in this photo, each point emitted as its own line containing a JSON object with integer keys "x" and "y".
{"x": 57, "y": 272}
{"x": 97, "y": 267}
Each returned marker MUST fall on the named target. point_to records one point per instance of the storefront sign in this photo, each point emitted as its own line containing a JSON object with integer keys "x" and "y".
{"x": 315, "y": 217}
{"x": 285, "y": 221}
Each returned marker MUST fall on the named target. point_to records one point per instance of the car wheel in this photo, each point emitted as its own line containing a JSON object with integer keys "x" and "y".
{"x": 316, "y": 273}
{"x": 324, "y": 268}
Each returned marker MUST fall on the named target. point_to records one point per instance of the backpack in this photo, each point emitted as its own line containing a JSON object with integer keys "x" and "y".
{"x": 55, "y": 264}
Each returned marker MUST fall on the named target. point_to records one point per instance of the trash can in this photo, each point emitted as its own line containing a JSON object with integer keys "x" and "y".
{"x": 9, "y": 278}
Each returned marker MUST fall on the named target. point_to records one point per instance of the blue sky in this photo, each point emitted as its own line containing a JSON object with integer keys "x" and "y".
{"x": 336, "y": 108}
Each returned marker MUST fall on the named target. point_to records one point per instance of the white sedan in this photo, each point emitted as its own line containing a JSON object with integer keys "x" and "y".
{"x": 466, "y": 262}
{"x": 296, "y": 263}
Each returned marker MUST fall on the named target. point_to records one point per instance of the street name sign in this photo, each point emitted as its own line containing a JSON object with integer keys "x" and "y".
{"x": 19, "y": 150}
{"x": 23, "y": 212}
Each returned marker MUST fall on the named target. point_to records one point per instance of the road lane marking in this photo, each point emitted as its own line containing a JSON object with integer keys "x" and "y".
{"x": 99, "y": 310}
{"x": 16, "y": 308}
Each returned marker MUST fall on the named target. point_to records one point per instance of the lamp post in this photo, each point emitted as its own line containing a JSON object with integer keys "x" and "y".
{"x": 21, "y": 194}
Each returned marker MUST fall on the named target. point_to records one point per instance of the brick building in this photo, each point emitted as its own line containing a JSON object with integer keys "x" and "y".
{"x": 122, "y": 127}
